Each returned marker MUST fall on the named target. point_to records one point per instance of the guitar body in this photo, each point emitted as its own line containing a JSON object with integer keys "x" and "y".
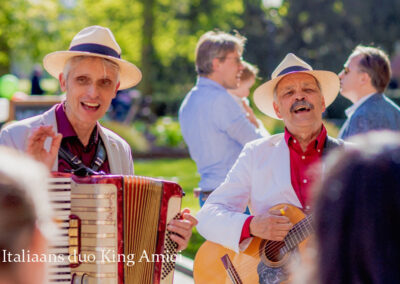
{"x": 209, "y": 268}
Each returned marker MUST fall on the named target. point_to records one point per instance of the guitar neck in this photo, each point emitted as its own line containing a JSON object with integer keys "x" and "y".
{"x": 299, "y": 233}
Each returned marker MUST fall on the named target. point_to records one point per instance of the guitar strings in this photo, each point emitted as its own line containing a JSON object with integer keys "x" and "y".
{"x": 297, "y": 230}
{"x": 299, "y": 227}
{"x": 302, "y": 229}
{"x": 304, "y": 224}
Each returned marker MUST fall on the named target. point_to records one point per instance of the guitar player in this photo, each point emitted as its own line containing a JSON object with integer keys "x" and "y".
{"x": 274, "y": 170}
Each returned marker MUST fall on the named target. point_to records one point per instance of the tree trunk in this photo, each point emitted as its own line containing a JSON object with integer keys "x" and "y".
{"x": 147, "y": 47}
{"x": 5, "y": 63}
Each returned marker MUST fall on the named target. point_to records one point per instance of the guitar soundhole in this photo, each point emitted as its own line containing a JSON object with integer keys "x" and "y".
{"x": 273, "y": 251}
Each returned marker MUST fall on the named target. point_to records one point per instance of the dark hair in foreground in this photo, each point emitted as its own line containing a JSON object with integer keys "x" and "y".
{"x": 17, "y": 219}
{"x": 357, "y": 212}
{"x": 25, "y": 216}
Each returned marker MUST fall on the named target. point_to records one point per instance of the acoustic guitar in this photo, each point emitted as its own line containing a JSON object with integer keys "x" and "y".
{"x": 262, "y": 262}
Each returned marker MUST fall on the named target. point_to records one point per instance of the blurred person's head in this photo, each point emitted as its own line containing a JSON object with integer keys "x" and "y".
{"x": 25, "y": 217}
{"x": 357, "y": 205}
{"x": 367, "y": 70}
{"x": 247, "y": 80}
{"x": 37, "y": 70}
{"x": 219, "y": 57}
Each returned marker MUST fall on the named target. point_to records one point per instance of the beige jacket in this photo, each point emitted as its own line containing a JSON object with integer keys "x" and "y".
{"x": 119, "y": 153}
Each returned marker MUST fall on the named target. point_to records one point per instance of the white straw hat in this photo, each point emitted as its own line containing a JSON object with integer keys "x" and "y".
{"x": 264, "y": 94}
{"x": 94, "y": 41}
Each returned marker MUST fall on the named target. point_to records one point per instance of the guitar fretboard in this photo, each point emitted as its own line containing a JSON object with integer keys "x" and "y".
{"x": 298, "y": 233}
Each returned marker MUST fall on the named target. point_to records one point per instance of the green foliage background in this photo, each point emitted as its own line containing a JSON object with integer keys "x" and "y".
{"x": 160, "y": 35}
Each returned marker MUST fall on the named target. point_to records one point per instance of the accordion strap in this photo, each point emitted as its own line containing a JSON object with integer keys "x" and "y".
{"x": 78, "y": 168}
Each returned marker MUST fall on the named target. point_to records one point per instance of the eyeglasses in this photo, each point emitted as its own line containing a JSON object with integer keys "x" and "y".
{"x": 237, "y": 59}
{"x": 346, "y": 70}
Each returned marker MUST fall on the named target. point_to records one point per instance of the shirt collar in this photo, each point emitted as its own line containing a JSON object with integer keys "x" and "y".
{"x": 204, "y": 81}
{"x": 64, "y": 126}
{"x": 350, "y": 110}
{"x": 319, "y": 141}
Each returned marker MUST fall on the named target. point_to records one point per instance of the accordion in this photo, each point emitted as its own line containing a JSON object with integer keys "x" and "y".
{"x": 113, "y": 229}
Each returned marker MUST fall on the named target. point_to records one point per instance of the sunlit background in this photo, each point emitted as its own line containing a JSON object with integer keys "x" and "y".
{"x": 160, "y": 37}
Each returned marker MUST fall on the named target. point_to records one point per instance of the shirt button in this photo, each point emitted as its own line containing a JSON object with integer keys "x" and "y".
{"x": 294, "y": 141}
{"x": 303, "y": 157}
{"x": 304, "y": 181}
{"x": 318, "y": 150}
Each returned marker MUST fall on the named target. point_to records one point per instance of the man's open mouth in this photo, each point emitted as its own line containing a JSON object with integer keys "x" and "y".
{"x": 301, "y": 106}
{"x": 301, "y": 109}
{"x": 90, "y": 106}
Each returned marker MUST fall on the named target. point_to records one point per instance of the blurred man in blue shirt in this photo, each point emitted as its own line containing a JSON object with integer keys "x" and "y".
{"x": 213, "y": 125}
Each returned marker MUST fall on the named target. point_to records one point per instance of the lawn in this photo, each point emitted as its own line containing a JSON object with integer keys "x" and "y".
{"x": 184, "y": 172}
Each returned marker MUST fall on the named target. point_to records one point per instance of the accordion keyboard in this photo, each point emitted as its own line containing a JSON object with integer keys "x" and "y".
{"x": 60, "y": 197}
{"x": 112, "y": 229}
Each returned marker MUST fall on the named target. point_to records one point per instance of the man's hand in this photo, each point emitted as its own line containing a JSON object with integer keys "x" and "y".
{"x": 271, "y": 226}
{"x": 183, "y": 228}
{"x": 36, "y": 145}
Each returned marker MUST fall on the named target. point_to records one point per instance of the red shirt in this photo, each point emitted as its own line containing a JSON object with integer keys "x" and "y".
{"x": 301, "y": 177}
{"x": 71, "y": 142}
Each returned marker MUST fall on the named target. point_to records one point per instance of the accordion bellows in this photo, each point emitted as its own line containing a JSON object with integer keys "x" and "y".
{"x": 113, "y": 229}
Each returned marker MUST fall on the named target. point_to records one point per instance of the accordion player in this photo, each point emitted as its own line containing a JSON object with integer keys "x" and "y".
{"x": 113, "y": 229}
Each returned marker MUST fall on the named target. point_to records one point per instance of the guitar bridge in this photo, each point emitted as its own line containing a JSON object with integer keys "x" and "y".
{"x": 230, "y": 269}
